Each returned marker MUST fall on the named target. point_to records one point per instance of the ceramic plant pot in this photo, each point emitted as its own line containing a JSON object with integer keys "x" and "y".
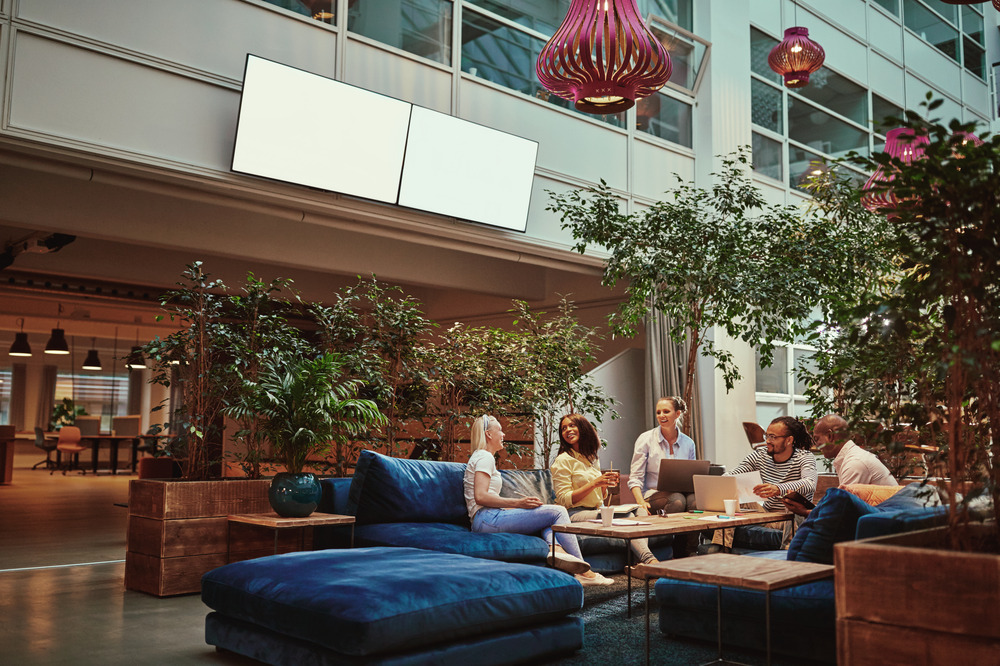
{"x": 294, "y": 495}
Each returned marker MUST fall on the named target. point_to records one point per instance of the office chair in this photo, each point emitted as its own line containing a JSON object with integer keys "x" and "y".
{"x": 69, "y": 443}
{"x": 47, "y": 444}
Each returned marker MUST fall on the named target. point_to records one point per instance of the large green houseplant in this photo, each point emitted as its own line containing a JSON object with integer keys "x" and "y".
{"x": 302, "y": 406}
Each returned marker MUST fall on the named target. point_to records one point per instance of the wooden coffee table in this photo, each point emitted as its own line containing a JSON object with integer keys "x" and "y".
{"x": 739, "y": 571}
{"x": 674, "y": 523}
{"x": 278, "y": 523}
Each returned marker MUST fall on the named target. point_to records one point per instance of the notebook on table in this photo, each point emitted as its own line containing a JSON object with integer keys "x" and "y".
{"x": 675, "y": 475}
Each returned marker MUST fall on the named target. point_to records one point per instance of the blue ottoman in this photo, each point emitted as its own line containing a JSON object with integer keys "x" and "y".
{"x": 390, "y": 606}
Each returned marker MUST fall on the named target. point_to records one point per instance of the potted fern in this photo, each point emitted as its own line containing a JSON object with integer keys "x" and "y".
{"x": 304, "y": 406}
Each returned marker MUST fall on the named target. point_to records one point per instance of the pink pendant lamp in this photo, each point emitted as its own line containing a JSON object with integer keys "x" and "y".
{"x": 796, "y": 57}
{"x": 603, "y": 57}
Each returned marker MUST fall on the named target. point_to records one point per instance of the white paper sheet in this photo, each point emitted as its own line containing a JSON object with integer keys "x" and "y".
{"x": 745, "y": 483}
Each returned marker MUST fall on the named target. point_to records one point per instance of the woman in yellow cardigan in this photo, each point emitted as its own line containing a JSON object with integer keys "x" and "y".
{"x": 578, "y": 481}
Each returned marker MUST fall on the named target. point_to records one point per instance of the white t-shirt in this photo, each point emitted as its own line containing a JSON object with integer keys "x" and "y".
{"x": 480, "y": 461}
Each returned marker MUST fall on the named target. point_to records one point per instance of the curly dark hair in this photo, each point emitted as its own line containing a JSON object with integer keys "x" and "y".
{"x": 589, "y": 443}
{"x": 801, "y": 439}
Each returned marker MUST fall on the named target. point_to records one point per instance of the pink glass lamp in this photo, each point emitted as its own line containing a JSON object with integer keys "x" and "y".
{"x": 603, "y": 57}
{"x": 904, "y": 145}
{"x": 796, "y": 57}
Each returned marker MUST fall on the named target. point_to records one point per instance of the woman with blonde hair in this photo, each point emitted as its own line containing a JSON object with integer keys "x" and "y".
{"x": 489, "y": 512}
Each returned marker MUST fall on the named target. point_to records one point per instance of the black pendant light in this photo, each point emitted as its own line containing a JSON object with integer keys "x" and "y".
{"x": 135, "y": 359}
{"x": 20, "y": 346}
{"x": 57, "y": 341}
{"x": 92, "y": 362}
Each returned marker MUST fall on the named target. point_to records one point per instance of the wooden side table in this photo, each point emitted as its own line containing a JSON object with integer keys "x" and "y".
{"x": 739, "y": 571}
{"x": 278, "y": 523}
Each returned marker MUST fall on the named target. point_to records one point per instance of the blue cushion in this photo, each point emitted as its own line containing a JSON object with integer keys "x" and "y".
{"x": 834, "y": 519}
{"x": 396, "y": 490}
{"x": 335, "y": 493}
{"x": 530, "y": 482}
{"x": 911, "y": 496}
{"x": 371, "y": 600}
{"x": 451, "y": 538}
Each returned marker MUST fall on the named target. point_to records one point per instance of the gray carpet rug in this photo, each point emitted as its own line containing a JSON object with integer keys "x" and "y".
{"x": 612, "y": 638}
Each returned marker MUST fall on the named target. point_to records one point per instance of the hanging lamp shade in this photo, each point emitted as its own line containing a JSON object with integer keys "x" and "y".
{"x": 57, "y": 342}
{"x": 135, "y": 360}
{"x": 92, "y": 362}
{"x": 603, "y": 57}
{"x": 905, "y": 146}
{"x": 20, "y": 346}
{"x": 796, "y": 57}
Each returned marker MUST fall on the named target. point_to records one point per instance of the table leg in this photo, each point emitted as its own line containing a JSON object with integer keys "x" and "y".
{"x": 135, "y": 454}
{"x": 647, "y": 620}
{"x": 628, "y": 577}
{"x": 113, "y": 443}
{"x": 718, "y": 619}
{"x": 767, "y": 625}
{"x": 95, "y": 446}
{"x": 229, "y": 542}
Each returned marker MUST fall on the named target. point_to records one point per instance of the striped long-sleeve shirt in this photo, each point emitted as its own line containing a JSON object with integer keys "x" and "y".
{"x": 798, "y": 473}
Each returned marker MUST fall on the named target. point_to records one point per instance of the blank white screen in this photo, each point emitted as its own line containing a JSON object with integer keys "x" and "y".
{"x": 303, "y": 128}
{"x": 458, "y": 168}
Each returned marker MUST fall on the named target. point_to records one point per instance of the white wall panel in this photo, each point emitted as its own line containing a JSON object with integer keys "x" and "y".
{"x": 932, "y": 65}
{"x": 587, "y": 151}
{"x": 885, "y": 34}
{"x": 375, "y": 69}
{"x": 916, "y": 91}
{"x": 210, "y": 36}
{"x": 654, "y": 168}
{"x": 975, "y": 93}
{"x": 764, "y": 13}
{"x": 886, "y": 78}
{"x": 847, "y": 14}
{"x": 843, "y": 53}
{"x": 74, "y": 95}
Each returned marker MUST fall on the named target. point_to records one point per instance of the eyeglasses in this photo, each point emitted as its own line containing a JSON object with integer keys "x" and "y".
{"x": 770, "y": 438}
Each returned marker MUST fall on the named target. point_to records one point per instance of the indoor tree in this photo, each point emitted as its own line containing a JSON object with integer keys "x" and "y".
{"x": 718, "y": 257}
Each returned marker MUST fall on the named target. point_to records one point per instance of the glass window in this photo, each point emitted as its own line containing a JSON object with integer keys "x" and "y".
{"x": 5, "y": 381}
{"x": 773, "y": 379}
{"x": 803, "y": 360}
{"x": 506, "y": 56}
{"x": 766, "y": 156}
{"x": 832, "y": 91}
{"x": 768, "y": 411}
{"x": 420, "y": 27}
{"x": 687, "y": 54}
{"x": 822, "y": 132}
{"x": 930, "y": 27}
{"x": 321, "y": 10}
{"x": 677, "y": 12}
{"x": 101, "y": 395}
{"x": 802, "y": 166}
{"x": 882, "y": 109}
{"x": 541, "y": 15}
{"x": 972, "y": 23}
{"x": 765, "y": 106}
{"x": 945, "y": 9}
{"x": 974, "y": 58}
{"x": 760, "y": 47}
{"x": 891, "y": 6}
{"x": 665, "y": 117}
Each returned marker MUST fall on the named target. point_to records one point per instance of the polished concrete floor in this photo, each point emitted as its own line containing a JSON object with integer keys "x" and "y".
{"x": 62, "y": 596}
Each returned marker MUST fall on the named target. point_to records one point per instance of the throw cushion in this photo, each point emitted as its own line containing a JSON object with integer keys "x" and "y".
{"x": 871, "y": 494}
{"x": 912, "y": 496}
{"x": 834, "y": 519}
{"x": 367, "y": 601}
{"x": 395, "y": 490}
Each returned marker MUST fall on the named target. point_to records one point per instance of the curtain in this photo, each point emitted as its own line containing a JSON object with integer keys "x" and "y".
{"x": 665, "y": 370}
{"x": 46, "y": 397}
{"x": 18, "y": 388}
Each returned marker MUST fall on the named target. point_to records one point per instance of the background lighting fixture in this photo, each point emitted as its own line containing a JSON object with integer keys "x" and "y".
{"x": 135, "y": 359}
{"x": 20, "y": 346}
{"x": 796, "y": 57}
{"x": 603, "y": 57}
{"x": 57, "y": 341}
{"x": 92, "y": 362}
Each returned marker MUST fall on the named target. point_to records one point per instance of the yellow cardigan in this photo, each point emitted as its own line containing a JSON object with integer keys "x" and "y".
{"x": 571, "y": 471}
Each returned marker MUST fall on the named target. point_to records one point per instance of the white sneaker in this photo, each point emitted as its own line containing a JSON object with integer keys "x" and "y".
{"x": 566, "y": 562}
{"x": 594, "y": 579}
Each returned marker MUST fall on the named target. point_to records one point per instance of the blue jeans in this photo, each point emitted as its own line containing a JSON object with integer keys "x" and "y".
{"x": 528, "y": 521}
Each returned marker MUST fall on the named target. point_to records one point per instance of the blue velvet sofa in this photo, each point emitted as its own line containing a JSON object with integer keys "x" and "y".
{"x": 803, "y": 618}
{"x": 421, "y": 504}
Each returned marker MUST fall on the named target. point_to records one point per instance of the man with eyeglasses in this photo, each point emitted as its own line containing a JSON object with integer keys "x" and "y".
{"x": 785, "y": 464}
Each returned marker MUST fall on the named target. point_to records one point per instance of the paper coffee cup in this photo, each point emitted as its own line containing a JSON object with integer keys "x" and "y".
{"x": 607, "y": 515}
{"x": 730, "y": 505}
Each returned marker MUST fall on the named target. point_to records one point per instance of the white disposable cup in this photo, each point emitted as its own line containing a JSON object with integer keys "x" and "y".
{"x": 730, "y": 507}
{"x": 607, "y": 515}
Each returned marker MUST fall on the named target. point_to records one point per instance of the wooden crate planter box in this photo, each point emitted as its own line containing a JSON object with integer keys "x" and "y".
{"x": 177, "y": 531}
{"x": 908, "y": 597}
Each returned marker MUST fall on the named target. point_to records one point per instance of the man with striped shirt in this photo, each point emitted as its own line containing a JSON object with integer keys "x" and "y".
{"x": 785, "y": 465}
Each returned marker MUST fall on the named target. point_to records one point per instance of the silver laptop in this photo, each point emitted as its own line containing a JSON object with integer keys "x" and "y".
{"x": 710, "y": 491}
{"x": 675, "y": 475}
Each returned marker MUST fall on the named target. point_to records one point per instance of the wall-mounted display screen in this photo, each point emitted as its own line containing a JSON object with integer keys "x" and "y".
{"x": 454, "y": 167}
{"x": 306, "y": 129}
{"x": 309, "y": 130}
